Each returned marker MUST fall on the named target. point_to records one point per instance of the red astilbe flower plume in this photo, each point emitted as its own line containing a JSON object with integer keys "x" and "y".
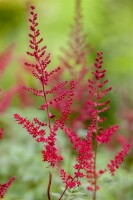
{"x": 85, "y": 157}
{"x": 39, "y": 70}
{"x": 119, "y": 158}
{"x": 87, "y": 147}
{"x": 4, "y": 187}
{"x": 98, "y": 92}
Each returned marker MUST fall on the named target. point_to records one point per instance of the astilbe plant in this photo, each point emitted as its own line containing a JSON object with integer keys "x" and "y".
{"x": 4, "y": 187}
{"x": 46, "y": 132}
{"x": 87, "y": 148}
{"x": 125, "y": 113}
{"x": 36, "y": 128}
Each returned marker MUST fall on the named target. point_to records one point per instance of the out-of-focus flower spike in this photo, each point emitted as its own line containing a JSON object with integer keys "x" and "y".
{"x": 4, "y": 187}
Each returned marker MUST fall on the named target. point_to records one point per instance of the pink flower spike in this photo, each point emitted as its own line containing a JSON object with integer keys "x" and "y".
{"x": 119, "y": 158}
{"x": 106, "y": 135}
{"x": 4, "y": 187}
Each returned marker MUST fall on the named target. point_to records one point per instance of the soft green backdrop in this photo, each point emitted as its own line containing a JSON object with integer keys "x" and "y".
{"x": 110, "y": 29}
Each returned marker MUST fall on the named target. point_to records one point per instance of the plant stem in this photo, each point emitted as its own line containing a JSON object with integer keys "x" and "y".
{"x": 47, "y": 109}
{"x": 49, "y": 186}
{"x": 95, "y": 151}
{"x": 66, "y": 189}
{"x": 63, "y": 193}
{"x": 95, "y": 178}
{"x": 38, "y": 59}
{"x": 49, "y": 125}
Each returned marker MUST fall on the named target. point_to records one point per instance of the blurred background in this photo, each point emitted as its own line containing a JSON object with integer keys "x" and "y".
{"x": 109, "y": 28}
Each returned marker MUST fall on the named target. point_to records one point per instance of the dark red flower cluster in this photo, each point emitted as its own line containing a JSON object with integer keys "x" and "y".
{"x": 4, "y": 187}
{"x": 69, "y": 180}
{"x": 31, "y": 128}
{"x": 119, "y": 158}
{"x": 106, "y": 135}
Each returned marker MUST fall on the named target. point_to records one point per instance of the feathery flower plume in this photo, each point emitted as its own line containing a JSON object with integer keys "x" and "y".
{"x": 36, "y": 128}
{"x": 119, "y": 158}
{"x": 39, "y": 71}
{"x": 4, "y": 187}
{"x": 87, "y": 148}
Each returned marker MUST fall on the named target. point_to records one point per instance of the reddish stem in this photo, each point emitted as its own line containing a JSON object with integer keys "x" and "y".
{"x": 49, "y": 186}
{"x": 95, "y": 152}
{"x": 63, "y": 193}
{"x": 95, "y": 177}
{"x": 49, "y": 123}
{"x": 66, "y": 189}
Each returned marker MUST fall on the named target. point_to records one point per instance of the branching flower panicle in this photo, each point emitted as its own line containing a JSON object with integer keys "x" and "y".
{"x": 36, "y": 128}
{"x": 39, "y": 71}
{"x": 87, "y": 148}
{"x": 119, "y": 158}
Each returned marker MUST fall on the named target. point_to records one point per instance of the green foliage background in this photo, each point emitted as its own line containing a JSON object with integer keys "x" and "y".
{"x": 110, "y": 29}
